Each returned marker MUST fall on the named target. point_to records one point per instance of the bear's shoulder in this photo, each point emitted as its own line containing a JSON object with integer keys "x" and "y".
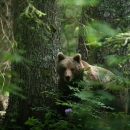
{"x": 97, "y": 73}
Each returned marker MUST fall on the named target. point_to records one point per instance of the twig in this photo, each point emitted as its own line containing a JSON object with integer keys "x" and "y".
{"x": 3, "y": 81}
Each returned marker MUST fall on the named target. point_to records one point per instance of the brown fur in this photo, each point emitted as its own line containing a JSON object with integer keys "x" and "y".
{"x": 73, "y": 68}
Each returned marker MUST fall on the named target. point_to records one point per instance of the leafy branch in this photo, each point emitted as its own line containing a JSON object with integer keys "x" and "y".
{"x": 33, "y": 13}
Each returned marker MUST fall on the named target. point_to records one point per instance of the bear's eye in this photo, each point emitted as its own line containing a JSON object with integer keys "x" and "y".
{"x": 64, "y": 68}
{"x": 72, "y": 69}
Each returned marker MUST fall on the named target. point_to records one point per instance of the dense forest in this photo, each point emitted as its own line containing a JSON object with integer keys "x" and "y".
{"x": 37, "y": 37}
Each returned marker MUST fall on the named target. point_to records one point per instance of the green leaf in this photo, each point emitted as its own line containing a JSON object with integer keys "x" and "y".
{"x": 84, "y": 95}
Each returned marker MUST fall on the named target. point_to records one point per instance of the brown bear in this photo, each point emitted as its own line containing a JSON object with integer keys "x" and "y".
{"x": 72, "y": 69}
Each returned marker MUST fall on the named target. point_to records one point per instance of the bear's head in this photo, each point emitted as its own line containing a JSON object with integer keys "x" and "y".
{"x": 69, "y": 68}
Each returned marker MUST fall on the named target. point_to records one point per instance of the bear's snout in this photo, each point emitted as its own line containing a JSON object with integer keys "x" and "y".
{"x": 67, "y": 78}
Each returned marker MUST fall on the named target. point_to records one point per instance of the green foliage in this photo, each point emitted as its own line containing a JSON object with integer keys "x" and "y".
{"x": 60, "y": 125}
{"x": 70, "y": 28}
{"x": 78, "y": 2}
{"x": 8, "y": 57}
{"x": 94, "y": 110}
{"x": 32, "y": 13}
{"x": 96, "y": 31}
{"x": 12, "y": 57}
{"x": 49, "y": 123}
{"x": 35, "y": 124}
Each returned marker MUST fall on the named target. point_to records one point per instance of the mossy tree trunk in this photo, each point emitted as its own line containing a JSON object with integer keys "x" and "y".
{"x": 38, "y": 38}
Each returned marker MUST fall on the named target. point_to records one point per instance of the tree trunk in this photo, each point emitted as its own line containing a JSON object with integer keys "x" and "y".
{"x": 38, "y": 38}
{"x": 116, "y": 13}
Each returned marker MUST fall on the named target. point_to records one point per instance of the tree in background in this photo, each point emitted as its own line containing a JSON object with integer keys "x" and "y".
{"x": 109, "y": 13}
{"x": 36, "y": 28}
{"x": 109, "y": 48}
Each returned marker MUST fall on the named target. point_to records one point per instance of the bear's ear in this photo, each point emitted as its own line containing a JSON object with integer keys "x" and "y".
{"x": 60, "y": 56}
{"x": 77, "y": 57}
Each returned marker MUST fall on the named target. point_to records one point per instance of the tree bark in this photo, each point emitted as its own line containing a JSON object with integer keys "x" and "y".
{"x": 116, "y": 13}
{"x": 38, "y": 38}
